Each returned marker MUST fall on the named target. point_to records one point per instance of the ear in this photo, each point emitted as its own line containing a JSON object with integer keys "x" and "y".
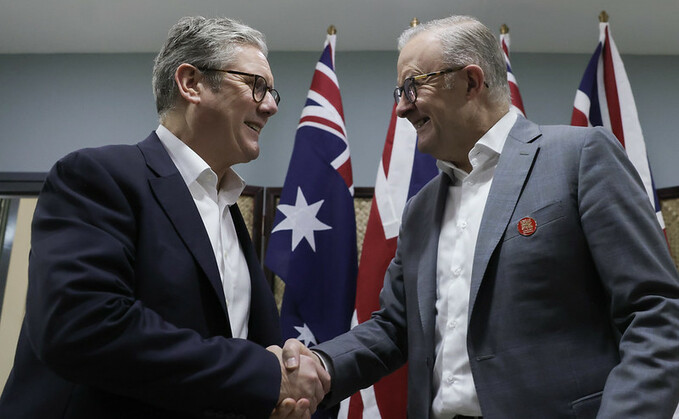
{"x": 475, "y": 79}
{"x": 188, "y": 80}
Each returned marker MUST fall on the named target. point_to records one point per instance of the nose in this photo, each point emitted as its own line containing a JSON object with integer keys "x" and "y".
{"x": 268, "y": 105}
{"x": 403, "y": 106}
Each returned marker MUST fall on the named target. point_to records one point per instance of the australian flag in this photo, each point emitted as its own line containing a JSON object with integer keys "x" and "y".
{"x": 312, "y": 247}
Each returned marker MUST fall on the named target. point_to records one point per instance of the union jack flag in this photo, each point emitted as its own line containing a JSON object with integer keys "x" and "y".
{"x": 517, "y": 103}
{"x": 312, "y": 247}
{"x": 605, "y": 98}
{"x": 402, "y": 172}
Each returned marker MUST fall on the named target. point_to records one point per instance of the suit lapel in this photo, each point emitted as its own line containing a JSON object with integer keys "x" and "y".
{"x": 176, "y": 200}
{"x": 511, "y": 173}
{"x": 263, "y": 325}
{"x": 426, "y": 286}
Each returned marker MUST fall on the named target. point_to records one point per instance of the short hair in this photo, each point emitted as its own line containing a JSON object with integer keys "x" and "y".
{"x": 466, "y": 41}
{"x": 204, "y": 43}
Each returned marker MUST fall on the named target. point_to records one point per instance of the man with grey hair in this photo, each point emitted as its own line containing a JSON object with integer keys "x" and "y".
{"x": 531, "y": 278}
{"x": 146, "y": 298}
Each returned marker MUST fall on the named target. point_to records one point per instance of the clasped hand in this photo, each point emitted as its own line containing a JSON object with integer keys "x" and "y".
{"x": 304, "y": 381}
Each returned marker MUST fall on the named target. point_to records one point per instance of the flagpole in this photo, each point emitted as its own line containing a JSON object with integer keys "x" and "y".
{"x": 504, "y": 29}
{"x": 414, "y": 22}
{"x": 332, "y": 30}
{"x": 603, "y": 17}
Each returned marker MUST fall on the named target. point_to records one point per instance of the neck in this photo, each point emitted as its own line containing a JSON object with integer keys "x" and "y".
{"x": 177, "y": 124}
{"x": 480, "y": 123}
{"x": 486, "y": 119}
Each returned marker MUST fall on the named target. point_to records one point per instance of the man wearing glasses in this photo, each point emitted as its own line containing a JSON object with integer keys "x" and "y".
{"x": 146, "y": 298}
{"x": 531, "y": 278}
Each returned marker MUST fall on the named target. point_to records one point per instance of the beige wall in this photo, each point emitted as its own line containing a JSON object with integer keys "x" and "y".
{"x": 15, "y": 290}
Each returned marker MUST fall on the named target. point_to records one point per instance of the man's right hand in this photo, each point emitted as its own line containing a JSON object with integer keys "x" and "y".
{"x": 303, "y": 378}
{"x": 293, "y": 350}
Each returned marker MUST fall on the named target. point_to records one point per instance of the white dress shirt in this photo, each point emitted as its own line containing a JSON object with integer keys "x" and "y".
{"x": 213, "y": 206}
{"x": 453, "y": 384}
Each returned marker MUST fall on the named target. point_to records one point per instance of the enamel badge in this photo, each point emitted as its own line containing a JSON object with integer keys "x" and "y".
{"x": 527, "y": 226}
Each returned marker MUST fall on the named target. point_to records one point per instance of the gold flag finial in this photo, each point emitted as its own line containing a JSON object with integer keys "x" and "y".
{"x": 332, "y": 30}
{"x": 414, "y": 22}
{"x": 603, "y": 16}
{"x": 504, "y": 29}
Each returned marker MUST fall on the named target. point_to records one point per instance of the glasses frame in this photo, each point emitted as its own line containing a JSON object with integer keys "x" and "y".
{"x": 409, "y": 86}
{"x": 256, "y": 77}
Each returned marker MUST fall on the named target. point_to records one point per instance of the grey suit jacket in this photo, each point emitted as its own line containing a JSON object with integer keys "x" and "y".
{"x": 578, "y": 318}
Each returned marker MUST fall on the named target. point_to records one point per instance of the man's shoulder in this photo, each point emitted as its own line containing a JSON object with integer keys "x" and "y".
{"x": 124, "y": 162}
{"x": 551, "y": 132}
{"x": 562, "y": 137}
{"x": 112, "y": 156}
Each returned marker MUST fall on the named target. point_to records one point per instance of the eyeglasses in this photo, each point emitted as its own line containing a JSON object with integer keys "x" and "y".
{"x": 409, "y": 85}
{"x": 259, "y": 86}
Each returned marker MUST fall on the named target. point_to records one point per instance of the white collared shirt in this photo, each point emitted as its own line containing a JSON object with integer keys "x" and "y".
{"x": 453, "y": 384}
{"x": 213, "y": 206}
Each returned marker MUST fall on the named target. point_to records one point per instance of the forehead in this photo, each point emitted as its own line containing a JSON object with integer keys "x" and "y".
{"x": 422, "y": 54}
{"x": 251, "y": 59}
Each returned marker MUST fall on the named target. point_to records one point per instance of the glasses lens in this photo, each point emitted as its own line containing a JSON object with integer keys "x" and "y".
{"x": 409, "y": 90}
{"x": 259, "y": 88}
{"x": 397, "y": 95}
{"x": 276, "y": 96}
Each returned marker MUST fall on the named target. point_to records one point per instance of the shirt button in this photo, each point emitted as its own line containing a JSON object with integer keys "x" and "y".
{"x": 450, "y": 379}
{"x": 452, "y": 324}
{"x": 457, "y": 271}
{"x": 462, "y": 224}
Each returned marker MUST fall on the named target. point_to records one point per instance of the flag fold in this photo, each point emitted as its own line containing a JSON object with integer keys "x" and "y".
{"x": 605, "y": 98}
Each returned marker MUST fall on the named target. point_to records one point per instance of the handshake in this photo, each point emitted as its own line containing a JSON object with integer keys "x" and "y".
{"x": 304, "y": 381}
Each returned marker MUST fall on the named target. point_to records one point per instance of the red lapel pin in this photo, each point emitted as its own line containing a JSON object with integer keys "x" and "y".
{"x": 527, "y": 226}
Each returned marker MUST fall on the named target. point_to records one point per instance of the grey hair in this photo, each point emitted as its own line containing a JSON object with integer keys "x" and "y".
{"x": 203, "y": 43}
{"x": 466, "y": 41}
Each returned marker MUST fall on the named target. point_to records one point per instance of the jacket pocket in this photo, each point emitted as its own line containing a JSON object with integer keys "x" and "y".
{"x": 542, "y": 216}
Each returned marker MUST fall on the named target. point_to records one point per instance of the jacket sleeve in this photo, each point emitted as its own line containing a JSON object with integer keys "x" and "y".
{"x": 84, "y": 321}
{"x": 637, "y": 272}
{"x": 375, "y": 348}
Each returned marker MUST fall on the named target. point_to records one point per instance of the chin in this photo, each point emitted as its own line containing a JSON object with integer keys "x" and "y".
{"x": 252, "y": 154}
{"x": 424, "y": 146}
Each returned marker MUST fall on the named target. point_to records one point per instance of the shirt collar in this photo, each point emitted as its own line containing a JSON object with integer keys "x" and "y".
{"x": 193, "y": 168}
{"x": 488, "y": 146}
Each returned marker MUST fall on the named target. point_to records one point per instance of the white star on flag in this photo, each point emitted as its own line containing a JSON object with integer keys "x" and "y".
{"x": 305, "y": 335}
{"x": 301, "y": 219}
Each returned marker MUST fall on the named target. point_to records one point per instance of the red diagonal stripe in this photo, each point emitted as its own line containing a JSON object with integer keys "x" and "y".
{"x": 612, "y": 92}
{"x": 389, "y": 143}
{"x": 323, "y": 121}
{"x": 516, "y": 96}
{"x": 579, "y": 119}
{"x": 345, "y": 171}
{"x": 355, "y": 406}
{"x": 327, "y": 88}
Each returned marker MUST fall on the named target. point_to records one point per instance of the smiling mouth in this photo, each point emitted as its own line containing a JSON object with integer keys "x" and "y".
{"x": 418, "y": 124}
{"x": 254, "y": 127}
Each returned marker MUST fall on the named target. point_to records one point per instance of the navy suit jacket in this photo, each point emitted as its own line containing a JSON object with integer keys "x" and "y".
{"x": 578, "y": 319}
{"x": 125, "y": 314}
